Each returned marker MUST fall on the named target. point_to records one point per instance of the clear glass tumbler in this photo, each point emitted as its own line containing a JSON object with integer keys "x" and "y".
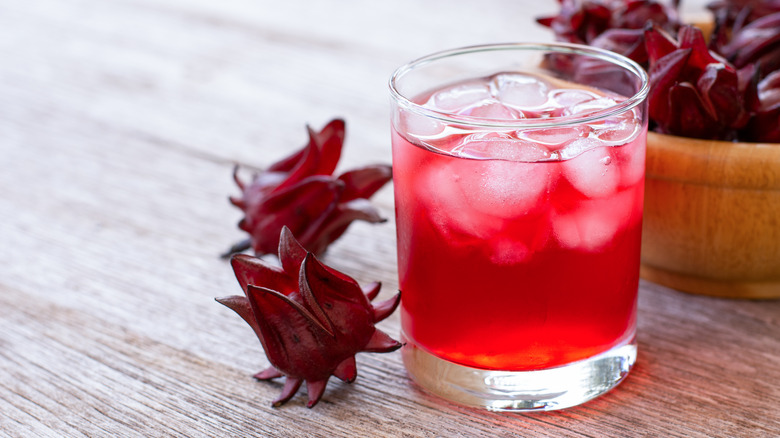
{"x": 519, "y": 173}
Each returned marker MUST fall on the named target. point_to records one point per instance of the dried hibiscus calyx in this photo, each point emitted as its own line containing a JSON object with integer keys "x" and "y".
{"x": 627, "y": 42}
{"x": 750, "y": 43}
{"x": 764, "y": 126}
{"x": 693, "y": 92}
{"x": 310, "y": 318}
{"x": 733, "y": 14}
{"x": 582, "y": 21}
{"x": 301, "y": 193}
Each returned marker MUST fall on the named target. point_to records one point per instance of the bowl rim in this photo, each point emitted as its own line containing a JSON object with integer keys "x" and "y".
{"x": 719, "y": 163}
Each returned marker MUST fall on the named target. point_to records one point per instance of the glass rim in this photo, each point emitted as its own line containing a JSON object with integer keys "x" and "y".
{"x": 564, "y": 48}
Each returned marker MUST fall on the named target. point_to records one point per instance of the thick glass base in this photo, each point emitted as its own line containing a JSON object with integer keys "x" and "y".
{"x": 543, "y": 390}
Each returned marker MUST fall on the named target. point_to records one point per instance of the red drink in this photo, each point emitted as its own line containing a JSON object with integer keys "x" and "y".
{"x": 518, "y": 250}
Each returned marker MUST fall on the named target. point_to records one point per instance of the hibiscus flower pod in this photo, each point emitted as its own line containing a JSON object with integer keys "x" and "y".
{"x": 313, "y": 330}
{"x": 732, "y": 15}
{"x": 720, "y": 91}
{"x": 627, "y": 42}
{"x": 324, "y": 148}
{"x": 756, "y": 43}
{"x": 301, "y": 192}
{"x": 693, "y": 92}
{"x": 764, "y": 125}
{"x": 688, "y": 113}
{"x": 578, "y": 21}
{"x": 635, "y": 14}
{"x": 664, "y": 73}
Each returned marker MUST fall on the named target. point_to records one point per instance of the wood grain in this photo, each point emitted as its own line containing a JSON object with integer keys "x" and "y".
{"x": 712, "y": 217}
{"x": 120, "y": 122}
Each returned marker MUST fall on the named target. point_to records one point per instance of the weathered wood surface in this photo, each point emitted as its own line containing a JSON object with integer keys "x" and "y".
{"x": 120, "y": 122}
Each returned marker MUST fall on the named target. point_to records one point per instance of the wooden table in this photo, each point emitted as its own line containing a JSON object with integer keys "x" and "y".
{"x": 120, "y": 122}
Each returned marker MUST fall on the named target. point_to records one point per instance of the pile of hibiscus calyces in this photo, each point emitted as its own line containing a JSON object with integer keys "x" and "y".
{"x": 724, "y": 89}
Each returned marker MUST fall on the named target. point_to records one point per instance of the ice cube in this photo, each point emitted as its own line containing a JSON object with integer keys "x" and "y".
{"x": 496, "y": 188}
{"x": 589, "y": 106}
{"x": 593, "y": 172}
{"x": 521, "y": 90}
{"x": 584, "y": 229}
{"x": 445, "y": 193}
{"x": 491, "y": 109}
{"x": 502, "y": 146}
{"x": 459, "y": 97}
{"x": 592, "y": 224}
{"x": 420, "y": 126}
{"x": 509, "y": 189}
{"x": 569, "y": 97}
{"x": 554, "y": 138}
{"x": 490, "y": 205}
{"x": 617, "y": 130}
{"x": 578, "y": 147}
{"x": 630, "y": 158}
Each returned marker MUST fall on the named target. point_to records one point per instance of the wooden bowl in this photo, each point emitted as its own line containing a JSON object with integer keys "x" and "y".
{"x": 712, "y": 217}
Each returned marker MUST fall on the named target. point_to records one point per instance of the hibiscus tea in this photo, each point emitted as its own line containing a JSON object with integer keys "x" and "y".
{"x": 519, "y": 213}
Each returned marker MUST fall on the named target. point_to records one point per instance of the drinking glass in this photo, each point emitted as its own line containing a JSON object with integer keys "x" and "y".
{"x": 518, "y": 173}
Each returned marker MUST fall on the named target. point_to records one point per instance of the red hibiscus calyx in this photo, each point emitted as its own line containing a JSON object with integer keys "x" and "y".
{"x": 301, "y": 192}
{"x": 311, "y": 319}
{"x": 731, "y": 15}
{"x": 693, "y": 92}
{"x": 764, "y": 126}
{"x": 749, "y": 41}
